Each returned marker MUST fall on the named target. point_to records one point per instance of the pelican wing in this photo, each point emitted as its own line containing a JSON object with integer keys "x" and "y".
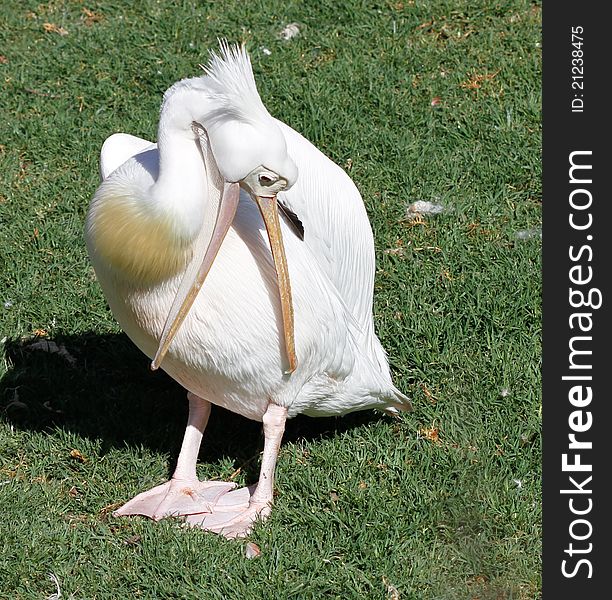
{"x": 337, "y": 231}
{"x": 117, "y": 149}
{"x": 335, "y": 224}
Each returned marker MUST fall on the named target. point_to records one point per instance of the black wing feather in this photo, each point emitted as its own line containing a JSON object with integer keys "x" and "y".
{"x": 292, "y": 219}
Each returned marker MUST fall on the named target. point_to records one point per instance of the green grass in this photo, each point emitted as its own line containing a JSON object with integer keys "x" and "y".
{"x": 443, "y": 503}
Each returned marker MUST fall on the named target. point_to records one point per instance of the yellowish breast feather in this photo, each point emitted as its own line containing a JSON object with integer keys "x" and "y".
{"x": 137, "y": 245}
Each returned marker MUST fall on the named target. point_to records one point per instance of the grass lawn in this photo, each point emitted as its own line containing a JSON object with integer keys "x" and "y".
{"x": 419, "y": 101}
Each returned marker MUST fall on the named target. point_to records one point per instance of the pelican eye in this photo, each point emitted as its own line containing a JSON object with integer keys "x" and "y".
{"x": 266, "y": 180}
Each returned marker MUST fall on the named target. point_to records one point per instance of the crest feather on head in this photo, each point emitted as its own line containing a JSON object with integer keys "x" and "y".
{"x": 231, "y": 84}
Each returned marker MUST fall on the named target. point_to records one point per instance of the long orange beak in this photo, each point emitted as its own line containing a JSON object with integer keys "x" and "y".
{"x": 269, "y": 212}
{"x": 198, "y": 270}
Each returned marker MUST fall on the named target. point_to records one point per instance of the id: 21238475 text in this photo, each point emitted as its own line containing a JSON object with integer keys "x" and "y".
{"x": 577, "y": 69}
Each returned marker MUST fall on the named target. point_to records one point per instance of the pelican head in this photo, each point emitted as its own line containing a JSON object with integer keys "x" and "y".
{"x": 249, "y": 151}
{"x": 243, "y": 136}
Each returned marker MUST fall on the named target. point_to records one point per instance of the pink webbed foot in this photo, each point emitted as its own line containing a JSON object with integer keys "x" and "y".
{"x": 177, "y": 498}
{"x": 234, "y": 515}
{"x": 213, "y": 505}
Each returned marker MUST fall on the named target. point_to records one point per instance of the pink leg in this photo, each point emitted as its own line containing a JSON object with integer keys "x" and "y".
{"x": 230, "y": 517}
{"x": 183, "y": 494}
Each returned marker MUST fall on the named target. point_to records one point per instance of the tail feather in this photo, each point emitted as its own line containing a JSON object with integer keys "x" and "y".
{"x": 401, "y": 404}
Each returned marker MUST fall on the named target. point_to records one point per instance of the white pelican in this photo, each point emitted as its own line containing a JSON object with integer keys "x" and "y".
{"x": 283, "y": 323}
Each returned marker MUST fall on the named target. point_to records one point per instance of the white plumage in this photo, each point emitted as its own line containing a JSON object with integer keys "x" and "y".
{"x": 151, "y": 221}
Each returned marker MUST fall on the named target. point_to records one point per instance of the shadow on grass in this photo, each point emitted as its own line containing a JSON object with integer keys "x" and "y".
{"x": 101, "y": 387}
